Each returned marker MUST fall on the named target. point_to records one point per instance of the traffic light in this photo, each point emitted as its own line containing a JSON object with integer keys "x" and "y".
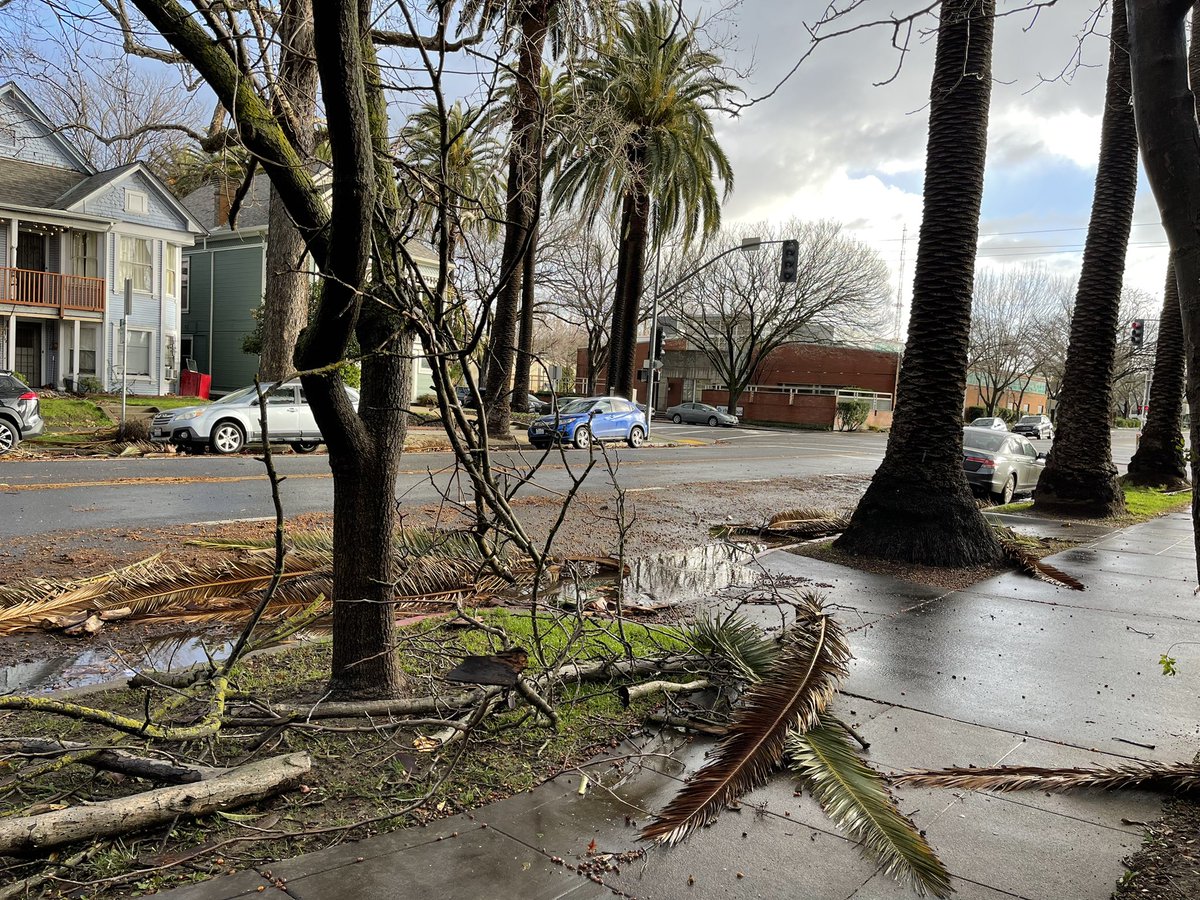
{"x": 1137, "y": 333}
{"x": 660, "y": 342}
{"x": 789, "y": 261}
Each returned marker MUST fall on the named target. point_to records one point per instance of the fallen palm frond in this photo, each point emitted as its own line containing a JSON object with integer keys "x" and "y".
{"x": 856, "y": 798}
{"x": 431, "y": 570}
{"x": 737, "y": 641}
{"x": 1022, "y": 552}
{"x": 803, "y": 523}
{"x": 793, "y": 694}
{"x": 1179, "y": 778}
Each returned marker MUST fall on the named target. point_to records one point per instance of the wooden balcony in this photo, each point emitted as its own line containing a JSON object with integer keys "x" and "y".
{"x": 44, "y": 291}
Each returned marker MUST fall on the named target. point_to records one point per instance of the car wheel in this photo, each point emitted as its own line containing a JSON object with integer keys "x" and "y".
{"x": 677, "y": 419}
{"x": 227, "y": 437}
{"x": 1010, "y": 488}
{"x": 304, "y": 446}
{"x": 8, "y": 436}
{"x": 583, "y": 438}
{"x": 636, "y": 435}
{"x": 712, "y": 421}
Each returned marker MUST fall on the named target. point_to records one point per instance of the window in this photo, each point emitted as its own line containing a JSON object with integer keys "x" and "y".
{"x": 84, "y": 258}
{"x": 622, "y": 406}
{"x": 87, "y": 350}
{"x": 184, "y": 268}
{"x": 185, "y": 349}
{"x": 136, "y": 202}
{"x": 171, "y": 269}
{"x": 136, "y": 264}
{"x": 138, "y": 359}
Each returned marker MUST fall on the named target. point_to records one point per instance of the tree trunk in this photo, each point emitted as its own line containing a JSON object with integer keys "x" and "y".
{"x": 918, "y": 507}
{"x": 524, "y": 363}
{"x": 1159, "y": 460}
{"x": 286, "y": 294}
{"x": 1080, "y": 477}
{"x": 1170, "y": 144}
{"x": 524, "y": 185}
{"x": 616, "y": 344}
{"x": 625, "y": 338}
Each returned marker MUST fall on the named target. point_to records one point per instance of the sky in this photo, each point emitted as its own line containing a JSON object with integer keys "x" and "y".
{"x": 832, "y": 144}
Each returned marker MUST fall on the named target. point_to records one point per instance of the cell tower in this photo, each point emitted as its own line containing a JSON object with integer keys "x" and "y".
{"x": 900, "y": 288}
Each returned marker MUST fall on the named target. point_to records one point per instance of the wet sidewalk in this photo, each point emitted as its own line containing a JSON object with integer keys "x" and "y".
{"x": 1011, "y": 671}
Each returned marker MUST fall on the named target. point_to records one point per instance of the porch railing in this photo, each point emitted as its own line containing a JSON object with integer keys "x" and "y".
{"x": 26, "y": 287}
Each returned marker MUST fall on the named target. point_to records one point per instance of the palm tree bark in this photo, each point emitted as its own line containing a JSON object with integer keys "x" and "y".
{"x": 918, "y": 507}
{"x": 1170, "y": 142}
{"x": 1159, "y": 460}
{"x": 524, "y": 185}
{"x": 286, "y": 293}
{"x": 623, "y": 372}
{"x": 524, "y": 363}
{"x": 1080, "y": 477}
{"x": 618, "y": 348}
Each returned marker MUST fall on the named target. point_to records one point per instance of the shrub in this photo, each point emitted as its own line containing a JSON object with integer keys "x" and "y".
{"x": 851, "y": 414}
{"x": 425, "y": 400}
{"x": 351, "y": 374}
{"x": 89, "y": 384}
{"x": 973, "y": 413}
{"x": 1009, "y": 416}
{"x": 1127, "y": 423}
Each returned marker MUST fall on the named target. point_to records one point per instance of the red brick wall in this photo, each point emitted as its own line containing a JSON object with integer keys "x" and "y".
{"x": 804, "y": 409}
{"x": 850, "y": 367}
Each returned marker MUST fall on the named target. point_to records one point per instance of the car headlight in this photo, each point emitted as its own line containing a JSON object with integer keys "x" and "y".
{"x": 188, "y": 416}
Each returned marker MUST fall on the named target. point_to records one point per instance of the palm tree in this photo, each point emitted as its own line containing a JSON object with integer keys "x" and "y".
{"x": 1159, "y": 460}
{"x": 918, "y": 507}
{"x": 651, "y": 92}
{"x": 454, "y": 165}
{"x": 1080, "y": 477}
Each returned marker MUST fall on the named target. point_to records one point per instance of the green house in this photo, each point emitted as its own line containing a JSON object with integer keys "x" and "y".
{"x": 224, "y": 279}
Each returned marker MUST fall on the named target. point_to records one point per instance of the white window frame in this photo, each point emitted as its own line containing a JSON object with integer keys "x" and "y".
{"x": 171, "y": 270}
{"x": 136, "y": 202}
{"x": 94, "y": 331}
{"x": 135, "y": 266}
{"x": 131, "y": 371}
{"x": 185, "y": 269}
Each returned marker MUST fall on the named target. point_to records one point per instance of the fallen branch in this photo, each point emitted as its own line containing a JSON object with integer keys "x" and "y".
{"x": 246, "y": 784}
{"x": 107, "y": 760}
{"x": 688, "y": 724}
{"x": 648, "y": 688}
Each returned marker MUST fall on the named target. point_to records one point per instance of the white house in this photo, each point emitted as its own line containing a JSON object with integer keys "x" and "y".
{"x": 70, "y": 237}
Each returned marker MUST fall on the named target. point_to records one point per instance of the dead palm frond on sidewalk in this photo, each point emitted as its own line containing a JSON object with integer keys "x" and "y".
{"x": 1170, "y": 778}
{"x": 782, "y": 717}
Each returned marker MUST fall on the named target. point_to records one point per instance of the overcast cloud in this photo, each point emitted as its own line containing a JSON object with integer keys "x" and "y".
{"x": 831, "y": 144}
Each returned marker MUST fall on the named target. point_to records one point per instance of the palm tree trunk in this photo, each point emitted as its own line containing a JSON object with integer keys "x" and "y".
{"x": 636, "y": 238}
{"x": 524, "y": 183}
{"x": 1159, "y": 460}
{"x": 1080, "y": 477}
{"x": 918, "y": 507}
{"x": 616, "y": 342}
{"x": 521, "y": 369}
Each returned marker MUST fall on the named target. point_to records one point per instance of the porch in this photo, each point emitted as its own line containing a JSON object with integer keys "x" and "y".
{"x": 51, "y": 292}
{"x": 48, "y": 351}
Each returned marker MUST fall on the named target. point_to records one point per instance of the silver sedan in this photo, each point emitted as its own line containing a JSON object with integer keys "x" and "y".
{"x": 1000, "y": 464}
{"x": 700, "y": 414}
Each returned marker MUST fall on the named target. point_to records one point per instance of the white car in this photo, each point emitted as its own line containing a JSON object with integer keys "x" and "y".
{"x": 228, "y": 424}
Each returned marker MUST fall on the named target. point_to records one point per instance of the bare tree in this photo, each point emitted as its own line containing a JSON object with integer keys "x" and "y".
{"x": 1010, "y": 312}
{"x": 738, "y": 312}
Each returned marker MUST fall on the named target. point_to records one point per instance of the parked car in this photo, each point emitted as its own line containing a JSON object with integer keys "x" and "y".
{"x": 587, "y": 419}
{"x": 228, "y": 424}
{"x": 1001, "y": 465}
{"x": 993, "y": 422}
{"x": 20, "y": 412}
{"x": 1037, "y": 427}
{"x": 700, "y": 414}
{"x": 468, "y": 402}
{"x": 536, "y": 405}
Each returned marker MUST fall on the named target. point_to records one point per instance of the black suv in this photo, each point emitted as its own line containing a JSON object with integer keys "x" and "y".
{"x": 1035, "y": 427}
{"x": 20, "y": 412}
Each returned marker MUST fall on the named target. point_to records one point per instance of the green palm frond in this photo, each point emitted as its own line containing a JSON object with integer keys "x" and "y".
{"x": 811, "y": 662}
{"x": 737, "y": 641}
{"x": 1173, "y": 778}
{"x": 857, "y": 799}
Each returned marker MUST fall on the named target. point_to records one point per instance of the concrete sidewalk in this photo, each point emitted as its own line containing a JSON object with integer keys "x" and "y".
{"x": 1011, "y": 671}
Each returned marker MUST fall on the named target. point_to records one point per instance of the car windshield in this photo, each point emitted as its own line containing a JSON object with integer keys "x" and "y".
{"x": 237, "y": 396}
{"x": 1030, "y": 420}
{"x": 576, "y": 407}
{"x": 983, "y": 440}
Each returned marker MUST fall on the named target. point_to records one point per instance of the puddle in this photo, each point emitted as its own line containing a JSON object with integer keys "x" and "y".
{"x": 98, "y": 664}
{"x": 674, "y": 578}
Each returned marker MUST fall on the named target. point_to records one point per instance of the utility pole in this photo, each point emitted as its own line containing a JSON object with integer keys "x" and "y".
{"x": 899, "y": 315}
{"x": 125, "y": 349}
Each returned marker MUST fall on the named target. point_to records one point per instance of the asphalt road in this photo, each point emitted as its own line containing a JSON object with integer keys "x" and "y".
{"x": 39, "y": 497}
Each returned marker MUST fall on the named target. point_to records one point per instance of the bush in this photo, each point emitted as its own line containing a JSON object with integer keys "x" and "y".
{"x": 425, "y": 400}
{"x": 973, "y": 413}
{"x": 88, "y": 384}
{"x": 351, "y": 374}
{"x": 1127, "y": 423}
{"x": 851, "y": 414}
{"x": 1009, "y": 416}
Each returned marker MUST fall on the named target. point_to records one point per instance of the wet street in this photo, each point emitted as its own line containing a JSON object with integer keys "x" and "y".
{"x": 39, "y": 497}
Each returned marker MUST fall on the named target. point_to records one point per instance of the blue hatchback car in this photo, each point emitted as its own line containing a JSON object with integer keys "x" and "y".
{"x": 587, "y": 419}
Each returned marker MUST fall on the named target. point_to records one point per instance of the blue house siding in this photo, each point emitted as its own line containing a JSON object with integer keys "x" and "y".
{"x": 34, "y": 143}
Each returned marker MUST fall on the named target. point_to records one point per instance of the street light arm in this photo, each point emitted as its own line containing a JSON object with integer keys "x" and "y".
{"x": 692, "y": 274}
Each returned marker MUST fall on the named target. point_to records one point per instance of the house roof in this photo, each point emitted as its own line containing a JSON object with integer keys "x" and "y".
{"x": 10, "y": 90}
{"x": 254, "y": 212}
{"x": 90, "y": 185}
{"x": 83, "y": 191}
{"x": 30, "y": 184}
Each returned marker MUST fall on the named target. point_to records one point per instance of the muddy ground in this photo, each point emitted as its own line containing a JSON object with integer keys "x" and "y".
{"x": 659, "y": 521}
